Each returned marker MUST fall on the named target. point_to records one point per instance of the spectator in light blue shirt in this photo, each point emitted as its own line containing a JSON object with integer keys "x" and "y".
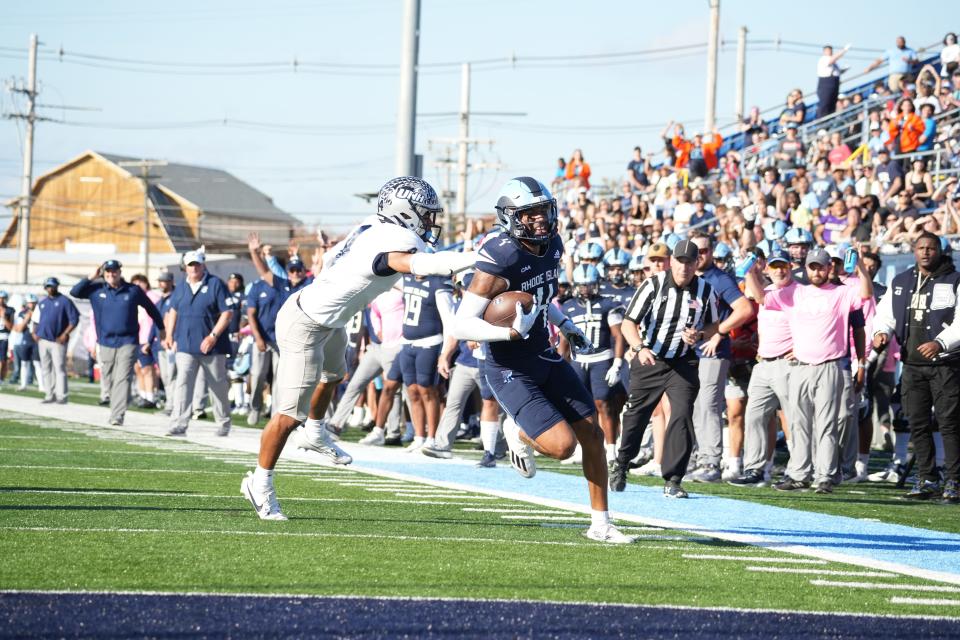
{"x": 899, "y": 62}
{"x": 929, "y": 127}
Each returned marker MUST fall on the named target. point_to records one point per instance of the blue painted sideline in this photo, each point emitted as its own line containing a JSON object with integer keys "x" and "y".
{"x": 31, "y": 615}
{"x": 933, "y": 551}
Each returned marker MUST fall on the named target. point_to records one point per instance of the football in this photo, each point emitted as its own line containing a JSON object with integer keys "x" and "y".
{"x": 502, "y": 310}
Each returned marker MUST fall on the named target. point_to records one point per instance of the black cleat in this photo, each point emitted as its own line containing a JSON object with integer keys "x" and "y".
{"x": 752, "y": 478}
{"x": 674, "y": 490}
{"x": 951, "y": 492}
{"x": 824, "y": 487}
{"x": 618, "y": 477}
{"x": 789, "y": 484}
{"x": 488, "y": 461}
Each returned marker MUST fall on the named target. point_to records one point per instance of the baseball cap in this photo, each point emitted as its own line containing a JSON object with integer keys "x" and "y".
{"x": 791, "y": 125}
{"x": 32, "y": 297}
{"x": 658, "y": 250}
{"x": 4, "y": 294}
{"x": 111, "y": 265}
{"x": 166, "y": 276}
{"x": 686, "y": 249}
{"x": 883, "y": 151}
{"x": 235, "y": 276}
{"x": 835, "y": 252}
{"x": 818, "y": 256}
{"x": 295, "y": 264}
{"x": 51, "y": 282}
{"x": 778, "y": 255}
{"x": 200, "y": 255}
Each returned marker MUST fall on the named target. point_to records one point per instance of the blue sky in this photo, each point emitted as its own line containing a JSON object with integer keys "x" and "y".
{"x": 323, "y": 134}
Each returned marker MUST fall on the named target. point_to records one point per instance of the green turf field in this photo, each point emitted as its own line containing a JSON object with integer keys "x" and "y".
{"x": 127, "y": 512}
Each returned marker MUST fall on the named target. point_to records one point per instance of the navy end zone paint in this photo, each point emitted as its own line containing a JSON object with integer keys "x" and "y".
{"x": 25, "y": 615}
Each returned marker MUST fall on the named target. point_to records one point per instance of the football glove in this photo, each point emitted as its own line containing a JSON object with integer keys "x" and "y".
{"x": 613, "y": 374}
{"x": 523, "y": 322}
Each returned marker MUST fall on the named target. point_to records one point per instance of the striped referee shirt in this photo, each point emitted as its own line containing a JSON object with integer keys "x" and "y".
{"x": 662, "y": 310}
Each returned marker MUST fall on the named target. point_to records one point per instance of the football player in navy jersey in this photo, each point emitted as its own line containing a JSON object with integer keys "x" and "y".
{"x": 615, "y": 285}
{"x": 428, "y": 301}
{"x": 548, "y": 407}
{"x": 599, "y": 318}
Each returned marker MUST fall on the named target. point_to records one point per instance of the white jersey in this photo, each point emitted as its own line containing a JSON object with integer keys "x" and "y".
{"x": 347, "y": 282}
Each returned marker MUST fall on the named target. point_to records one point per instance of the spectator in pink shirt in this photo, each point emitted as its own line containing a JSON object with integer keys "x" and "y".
{"x": 819, "y": 315}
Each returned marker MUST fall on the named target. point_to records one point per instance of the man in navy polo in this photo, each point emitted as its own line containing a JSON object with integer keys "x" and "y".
{"x": 58, "y": 318}
{"x": 196, "y": 325}
{"x": 114, "y": 302}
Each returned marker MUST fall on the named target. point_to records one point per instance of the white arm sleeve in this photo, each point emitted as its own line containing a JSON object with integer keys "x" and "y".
{"x": 469, "y": 324}
{"x": 445, "y": 308}
{"x": 442, "y": 263}
{"x": 555, "y": 315}
{"x": 950, "y": 336}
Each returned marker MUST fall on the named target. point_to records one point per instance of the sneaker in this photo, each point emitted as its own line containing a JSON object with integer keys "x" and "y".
{"x": 618, "y": 477}
{"x": 861, "y": 474}
{"x": 224, "y": 431}
{"x": 488, "y": 461}
{"x": 62, "y": 401}
{"x": 253, "y": 418}
{"x": 650, "y": 469}
{"x": 751, "y": 478}
{"x": 674, "y": 490}
{"x": 521, "y": 454}
{"x": 116, "y": 423}
{"x": 731, "y": 472}
{"x": 103, "y": 402}
{"x": 325, "y": 446}
{"x": 47, "y": 401}
{"x": 143, "y": 403}
{"x": 414, "y": 446}
{"x": 706, "y": 473}
{"x": 951, "y": 492}
{"x": 789, "y": 484}
{"x": 824, "y": 487}
{"x": 199, "y": 414}
{"x": 265, "y": 504}
{"x": 894, "y": 472}
{"x": 924, "y": 490}
{"x": 645, "y": 456}
{"x": 374, "y": 438}
{"x": 437, "y": 452}
{"x": 608, "y": 533}
{"x": 177, "y": 431}
{"x": 393, "y": 441}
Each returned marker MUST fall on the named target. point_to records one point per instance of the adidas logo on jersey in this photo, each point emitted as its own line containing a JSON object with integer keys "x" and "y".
{"x": 556, "y": 256}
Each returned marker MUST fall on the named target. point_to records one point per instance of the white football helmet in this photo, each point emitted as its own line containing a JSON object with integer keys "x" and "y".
{"x": 520, "y": 195}
{"x": 412, "y": 203}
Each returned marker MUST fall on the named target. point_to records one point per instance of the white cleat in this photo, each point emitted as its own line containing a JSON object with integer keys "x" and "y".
{"x": 651, "y": 469}
{"x": 325, "y": 446}
{"x": 861, "y": 475}
{"x": 608, "y": 533}
{"x": 373, "y": 439}
{"x": 265, "y": 503}
{"x": 415, "y": 445}
{"x": 521, "y": 454}
{"x": 576, "y": 458}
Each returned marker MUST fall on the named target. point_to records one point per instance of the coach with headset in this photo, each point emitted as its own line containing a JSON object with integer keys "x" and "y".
{"x": 920, "y": 307}
{"x": 114, "y": 302}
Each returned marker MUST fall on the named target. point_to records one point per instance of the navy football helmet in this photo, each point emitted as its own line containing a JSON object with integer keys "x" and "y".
{"x": 523, "y": 196}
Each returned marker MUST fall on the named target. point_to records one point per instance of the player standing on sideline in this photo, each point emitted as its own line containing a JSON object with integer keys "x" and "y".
{"x": 548, "y": 407}
{"x": 310, "y": 325}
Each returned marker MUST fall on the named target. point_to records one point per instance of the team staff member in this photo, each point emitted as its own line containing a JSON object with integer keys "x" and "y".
{"x": 920, "y": 307}
{"x": 115, "y": 302}
{"x": 670, "y": 313}
{"x": 819, "y": 315}
{"x": 165, "y": 359}
{"x": 58, "y": 318}
{"x": 715, "y": 357}
{"x": 196, "y": 327}
{"x": 6, "y": 325}
{"x": 770, "y": 379}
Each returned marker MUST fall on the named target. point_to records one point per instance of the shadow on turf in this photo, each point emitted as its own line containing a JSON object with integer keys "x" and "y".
{"x": 22, "y": 489}
{"x": 76, "y": 507}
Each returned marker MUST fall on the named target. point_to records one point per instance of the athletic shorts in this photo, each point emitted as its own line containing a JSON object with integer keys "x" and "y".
{"x": 539, "y": 392}
{"x": 145, "y": 359}
{"x": 593, "y": 376}
{"x": 738, "y": 380}
{"x": 309, "y": 353}
{"x": 416, "y": 365}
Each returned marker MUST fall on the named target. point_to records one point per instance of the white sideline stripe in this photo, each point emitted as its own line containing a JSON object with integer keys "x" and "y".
{"x": 408, "y": 488}
{"x": 567, "y": 518}
{"x": 308, "y": 534}
{"x": 933, "y": 602}
{"x": 824, "y": 572}
{"x": 348, "y": 477}
{"x": 414, "y": 599}
{"x": 527, "y": 511}
{"x": 756, "y": 540}
{"x": 939, "y": 588}
{"x": 391, "y": 485}
{"x": 163, "y": 494}
{"x": 407, "y": 494}
{"x": 711, "y": 556}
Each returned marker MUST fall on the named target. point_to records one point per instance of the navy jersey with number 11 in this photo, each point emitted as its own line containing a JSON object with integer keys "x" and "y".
{"x": 504, "y": 257}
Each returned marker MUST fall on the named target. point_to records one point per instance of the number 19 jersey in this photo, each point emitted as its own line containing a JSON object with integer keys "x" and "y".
{"x": 505, "y": 257}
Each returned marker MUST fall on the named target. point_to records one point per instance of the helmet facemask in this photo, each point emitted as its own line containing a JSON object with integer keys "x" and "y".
{"x": 535, "y": 232}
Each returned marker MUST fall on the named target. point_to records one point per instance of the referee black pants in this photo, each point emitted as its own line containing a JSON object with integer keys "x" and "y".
{"x": 679, "y": 380}
{"x": 936, "y": 386}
